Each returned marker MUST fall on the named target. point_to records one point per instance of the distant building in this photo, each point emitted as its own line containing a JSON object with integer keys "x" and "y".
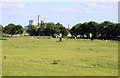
{"x": 41, "y": 24}
{"x": 32, "y": 22}
{"x": 26, "y": 27}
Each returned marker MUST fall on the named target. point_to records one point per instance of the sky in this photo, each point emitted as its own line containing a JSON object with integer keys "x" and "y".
{"x": 66, "y": 12}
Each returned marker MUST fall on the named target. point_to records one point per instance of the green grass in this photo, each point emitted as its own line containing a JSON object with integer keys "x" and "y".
{"x": 29, "y": 56}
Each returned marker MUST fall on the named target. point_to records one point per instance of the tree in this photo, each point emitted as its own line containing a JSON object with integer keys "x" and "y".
{"x": 32, "y": 30}
{"x": 76, "y": 30}
{"x": 38, "y": 32}
{"x": 50, "y": 29}
{"x": 19, "y": 29}
{"x": 41, "y": 31}
{"x": 61, "y": 29}
{"x": 84, "y": 30}
{"x": 43, "y": 26}
{"x": 10, "y": 29}
{"x": 13, "y": 29}
{"x": 107, "y": 30}
{"x": 116, "y": 31}
{"x": 92, "y": 28}
{"x": 1, "y": 29}
{"x": 64, "y": 31}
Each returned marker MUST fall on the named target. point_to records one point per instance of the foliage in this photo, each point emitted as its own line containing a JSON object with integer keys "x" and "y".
{"x": 94, "y": 30}
{"x": 76, "y": 29}
{"x": 32, "y": 30}
{"x": 50, "y": 29}
{"x": 10, "y": 29}
{"x": 108, "y": 30}
{"x": 61, "y": 29}
{"x": 13, "y": 29}
{"x": 88, "y": 30}
{"x": 1, "y": 28}
{"x": 19, "y": 29}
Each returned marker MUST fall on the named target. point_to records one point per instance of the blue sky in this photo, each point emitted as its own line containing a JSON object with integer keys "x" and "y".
{"x": 64, "y": 12}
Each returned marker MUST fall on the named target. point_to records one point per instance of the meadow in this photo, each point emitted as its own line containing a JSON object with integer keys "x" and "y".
{"x": 42, "y": 56}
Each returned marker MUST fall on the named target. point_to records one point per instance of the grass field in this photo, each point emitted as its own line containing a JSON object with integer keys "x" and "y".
{"x": 29, "y": 56}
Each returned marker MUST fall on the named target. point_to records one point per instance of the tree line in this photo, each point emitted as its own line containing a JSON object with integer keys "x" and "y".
{"x": 49, "y": 29}
{"x": 88, "y": 30}
{"x": 93, "y": 30}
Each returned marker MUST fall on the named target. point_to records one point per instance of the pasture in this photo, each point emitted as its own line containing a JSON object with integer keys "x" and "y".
{"x": 39, "y": 56}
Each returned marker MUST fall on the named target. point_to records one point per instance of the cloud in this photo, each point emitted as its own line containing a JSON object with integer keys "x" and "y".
{"x": 13, "y": 6}
{"x": 99, "y": 5}
{"x": 96, "y": 7}
{"x": 68, "y": 9}
{"x": 85, "y": 7}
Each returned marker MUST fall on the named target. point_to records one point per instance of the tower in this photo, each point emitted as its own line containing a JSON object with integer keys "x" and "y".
{"x": 38, "y": 20}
